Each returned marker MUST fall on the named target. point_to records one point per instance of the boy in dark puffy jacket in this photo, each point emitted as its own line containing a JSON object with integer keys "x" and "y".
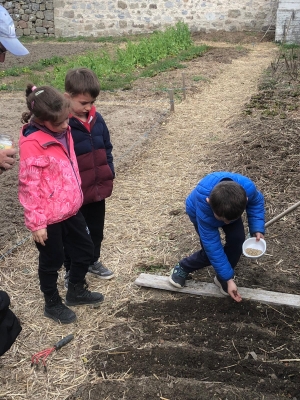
{"x": 93, "y": 149}
{"x": 218, "y": 201}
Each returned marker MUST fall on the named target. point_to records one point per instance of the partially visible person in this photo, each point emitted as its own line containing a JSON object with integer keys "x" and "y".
{"x": 8, "y": 42}
{"x": 218, "y": 201}
{"x": 50, "y": 192}
{"x": 10, "y": 326}
{"x": 93, "y": 149}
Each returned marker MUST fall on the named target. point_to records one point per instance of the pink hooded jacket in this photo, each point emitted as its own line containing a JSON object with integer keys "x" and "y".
{"x": 49, "y": 180}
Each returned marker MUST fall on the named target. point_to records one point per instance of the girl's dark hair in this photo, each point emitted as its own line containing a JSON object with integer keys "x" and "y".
{"x": 80, "y": 81}
{"x": 228, "y": 200}
{"x": 45, "y": 103}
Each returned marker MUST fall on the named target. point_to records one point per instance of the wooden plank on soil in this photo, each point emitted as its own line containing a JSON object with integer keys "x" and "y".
{"x": 210, "y": 289}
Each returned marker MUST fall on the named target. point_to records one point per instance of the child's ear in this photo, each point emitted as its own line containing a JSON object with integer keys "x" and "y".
{"x": 67, "y": 95}
{"x": 207, "y": 200}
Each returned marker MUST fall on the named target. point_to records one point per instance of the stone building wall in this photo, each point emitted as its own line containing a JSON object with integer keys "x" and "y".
{"x": 31, "y": 17}
{"x": 69, "y": 18}
{"x": 121, "y": 17}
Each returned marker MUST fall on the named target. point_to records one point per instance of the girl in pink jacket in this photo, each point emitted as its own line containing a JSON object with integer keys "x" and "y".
{"x": 50, "y": 192}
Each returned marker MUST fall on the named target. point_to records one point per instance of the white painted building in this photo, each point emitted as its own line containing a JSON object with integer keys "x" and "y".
{"x": 288, "y": 22}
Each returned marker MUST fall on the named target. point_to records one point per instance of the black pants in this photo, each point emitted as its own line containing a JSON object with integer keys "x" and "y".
{"x": 72, "y": 235}
{"x": 234, "y": 238}
{"x": 94, "y": 215}
{"x": 9, "y": 324}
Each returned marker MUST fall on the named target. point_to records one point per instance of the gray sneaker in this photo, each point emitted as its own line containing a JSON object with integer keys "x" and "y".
{"x": 100, "y": 271}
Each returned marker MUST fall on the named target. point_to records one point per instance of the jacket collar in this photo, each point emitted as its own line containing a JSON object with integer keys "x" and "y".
{"x": 41, "y": 136}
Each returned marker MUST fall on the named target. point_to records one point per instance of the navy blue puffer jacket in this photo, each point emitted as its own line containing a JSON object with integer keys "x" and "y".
{"x": 202, "y": 215}
{"x": 94, "y": 156}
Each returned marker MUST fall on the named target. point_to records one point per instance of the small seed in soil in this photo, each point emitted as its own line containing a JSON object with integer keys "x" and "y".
{"x": 253, "y": 252}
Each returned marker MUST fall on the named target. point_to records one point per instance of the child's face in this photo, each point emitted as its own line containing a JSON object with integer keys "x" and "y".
{"x": 60, "y": 125}
{"x": 81, "y": 104}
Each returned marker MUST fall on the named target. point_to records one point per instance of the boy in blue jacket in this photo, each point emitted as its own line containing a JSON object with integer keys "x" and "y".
{"x": 218, "y": 201}
{"x": 93, "y": 150}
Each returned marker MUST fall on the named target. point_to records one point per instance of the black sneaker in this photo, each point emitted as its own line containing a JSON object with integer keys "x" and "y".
{"x": 56, "y": 310}
{"x": 178, "y": 276}
{"x": 223, "y": 290}
{"x": 78, "y": 294}
{"x": 100, "y": 271}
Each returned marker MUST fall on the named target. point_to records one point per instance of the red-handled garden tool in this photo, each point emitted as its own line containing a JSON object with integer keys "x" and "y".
{"x": 42, "y": 355}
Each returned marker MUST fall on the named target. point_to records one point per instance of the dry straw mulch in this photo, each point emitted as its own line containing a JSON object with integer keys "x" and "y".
{"x": 148, "y": 198}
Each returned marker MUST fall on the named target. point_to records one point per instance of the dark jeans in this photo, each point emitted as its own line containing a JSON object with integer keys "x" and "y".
{"x": 94, "y": 215}
{"x": 234, "y": 238}
{"x": 72, "y": 235}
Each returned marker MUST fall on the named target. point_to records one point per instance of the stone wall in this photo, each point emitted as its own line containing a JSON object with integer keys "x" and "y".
{"x": 121, "y": 17}
{"x": 32, "y": 17}
{"x": 69, "y": 18}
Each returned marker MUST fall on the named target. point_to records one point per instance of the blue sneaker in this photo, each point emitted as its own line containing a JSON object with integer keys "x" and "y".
{"x": 178, "y": 276}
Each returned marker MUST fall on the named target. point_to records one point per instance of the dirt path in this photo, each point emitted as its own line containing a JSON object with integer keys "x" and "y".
{"x": 175, "y": 161}
{"x": 149, "y": 200}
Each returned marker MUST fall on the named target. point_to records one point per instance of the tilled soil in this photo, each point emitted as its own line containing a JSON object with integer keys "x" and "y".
{"x": 191, "y": 348}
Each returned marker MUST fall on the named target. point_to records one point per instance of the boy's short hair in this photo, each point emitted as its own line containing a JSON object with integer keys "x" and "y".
{"x": 228, "y": 200}
{"x": 80, "y": 81}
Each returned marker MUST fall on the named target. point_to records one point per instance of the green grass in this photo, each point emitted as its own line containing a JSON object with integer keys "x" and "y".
{"x": 91, "y": 39}
{"x": 240, "y": 48}
{"x": 152, "y": 268}
{"x": 199, "y": 78}
{"x": 286, "y": 46}
{"x": 38, "y": 66}
{"x": 151, "y": 55}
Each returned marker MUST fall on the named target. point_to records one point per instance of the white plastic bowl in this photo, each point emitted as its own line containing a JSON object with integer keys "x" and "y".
{"x": 252, "y": 243}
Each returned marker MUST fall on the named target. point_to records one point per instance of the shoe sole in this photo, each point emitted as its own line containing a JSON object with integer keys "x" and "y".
{"x": 101, "y": 276}
{"x": 175, "y": 284}
{"x": 59, "y": 320}
{"x": 217, "y": 283}
{"x": 93, "y": 305}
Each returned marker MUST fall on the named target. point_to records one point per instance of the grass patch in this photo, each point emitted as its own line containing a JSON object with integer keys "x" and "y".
{"x": 90, "y": 39}
{"x": 289, "y": 46}
{"x": 160, "y": 66}
{"x": 38, "y": 66}
{"x": 151, "y": 55}
{"x": 151, "y": 268}
{"x": 199, "y": 78}
{"x": 240, "y": 48}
